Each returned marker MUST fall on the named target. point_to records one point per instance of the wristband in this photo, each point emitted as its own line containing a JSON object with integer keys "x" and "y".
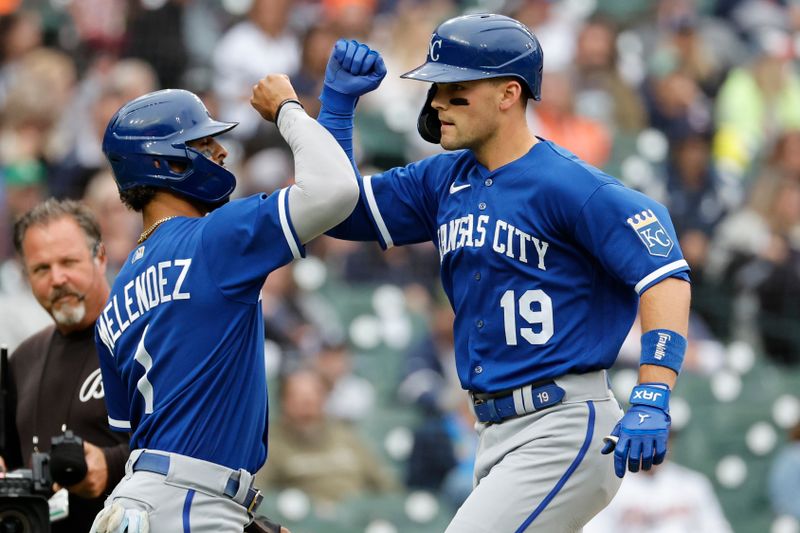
{"x": 651, "y": 394}
{"x": 287, "y": 101}
{"x": 336, "y": 102}
{"x": 663, "y": 347}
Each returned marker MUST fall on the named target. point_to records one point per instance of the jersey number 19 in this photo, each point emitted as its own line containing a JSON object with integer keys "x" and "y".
{"x": 544, "y": 316}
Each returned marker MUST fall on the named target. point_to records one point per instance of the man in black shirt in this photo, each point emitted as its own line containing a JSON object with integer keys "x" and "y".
{"x": 55, "y": 374}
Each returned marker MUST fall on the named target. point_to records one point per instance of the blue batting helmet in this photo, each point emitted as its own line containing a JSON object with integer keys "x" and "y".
{"x": 152, "y": 130}
{"x": 476, "y": 47}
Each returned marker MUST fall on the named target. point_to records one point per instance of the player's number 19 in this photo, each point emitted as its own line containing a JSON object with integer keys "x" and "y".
{"x": 524, "y": 307}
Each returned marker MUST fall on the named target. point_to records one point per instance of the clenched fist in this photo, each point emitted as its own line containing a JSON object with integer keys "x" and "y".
{"x": 268, "y": 94}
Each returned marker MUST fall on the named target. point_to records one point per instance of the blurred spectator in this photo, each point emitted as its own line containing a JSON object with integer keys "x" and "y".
{"x": 351, "y": 397}
{"x": 99, "y": 27}
{"x": 601, "y": 93}
{"x": 755, "y": 103}
{"x": 555, "y": 119}
{"x": 297, "y": 321}
{"x": 430, "y": 372}
{"x": 695, "y": 199}
{"x": 23, "y": 184}
{"x": 324, "y": 458}
{"x": 352, "y": 19}
{"x": 119, "y": 225}
{"x": 403, "y": 266}
{"x": 783, "y": 162}
{"x": 555, "y": 24}
{"x": 676, "y": 104}
{"x": 670, "y": 498}
{"x": 154, "y": 34}
{"x": 750, "y": 17}
{"x": 75, "y": 151}
{"x": 442, "y": 458}
{"x": 261, "y": 44}
{"x": 38, "y": 92}
{"x": 317, "y": 44}
{"x": 20, "y": 32}
{"x": 757, "y": 249}
{"x": 20, "y": 313}
{"x": 784, "y": 477}
{"x": 684, "y": 38}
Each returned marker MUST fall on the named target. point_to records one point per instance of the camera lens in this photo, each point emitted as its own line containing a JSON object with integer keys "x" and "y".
{"x": 13, "y": 522}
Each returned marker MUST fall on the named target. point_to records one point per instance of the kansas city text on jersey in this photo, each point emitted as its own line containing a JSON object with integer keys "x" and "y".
{"x": 507, "y": 239}
{"x": 158, "y": 284}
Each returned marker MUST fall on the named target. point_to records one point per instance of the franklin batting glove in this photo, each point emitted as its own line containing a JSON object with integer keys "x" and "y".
{"x": 640, "y": 438}
{"x": 353, "y": 70}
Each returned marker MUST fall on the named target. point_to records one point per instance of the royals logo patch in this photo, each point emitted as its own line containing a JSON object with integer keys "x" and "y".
{"x": 651, "y": 233}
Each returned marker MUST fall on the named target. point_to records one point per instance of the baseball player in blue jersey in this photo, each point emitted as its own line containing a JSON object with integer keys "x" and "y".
{"x": 545, "y": 261}
{"x": 181, "y": 338}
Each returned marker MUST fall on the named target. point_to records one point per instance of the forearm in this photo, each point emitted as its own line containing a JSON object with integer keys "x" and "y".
{"x": 664, "y": 306}
{"x": 325, "y": 190}
{"x": 336, "y": 115}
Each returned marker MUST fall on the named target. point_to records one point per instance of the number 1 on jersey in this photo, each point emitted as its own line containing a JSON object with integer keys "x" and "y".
{"x": 145, "y": 387}
{"x": 543, "y": 316}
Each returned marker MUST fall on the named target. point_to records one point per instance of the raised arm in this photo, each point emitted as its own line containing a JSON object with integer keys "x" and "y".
{"x": 353, "y": 70}
{"x": 325, "y": 190}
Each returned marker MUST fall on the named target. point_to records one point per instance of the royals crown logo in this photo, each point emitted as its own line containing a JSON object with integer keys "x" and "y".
{"x": 639, "y": 220}
{"x": 651, "y": 233}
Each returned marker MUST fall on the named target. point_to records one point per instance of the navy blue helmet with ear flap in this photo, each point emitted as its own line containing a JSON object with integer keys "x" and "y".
{"x": 150, "y": 131}
{"x": 476, "y": 47}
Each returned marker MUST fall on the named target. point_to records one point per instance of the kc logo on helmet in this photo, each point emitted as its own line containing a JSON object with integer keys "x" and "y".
{"x": 436, "y": 44}
{"x": 651, "y": 233}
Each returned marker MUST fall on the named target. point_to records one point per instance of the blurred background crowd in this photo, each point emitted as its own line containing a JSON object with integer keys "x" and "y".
{"x": 694, "y": 102}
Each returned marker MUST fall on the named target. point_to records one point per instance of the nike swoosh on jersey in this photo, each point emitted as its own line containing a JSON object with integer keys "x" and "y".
{"x": 454, "y": 189}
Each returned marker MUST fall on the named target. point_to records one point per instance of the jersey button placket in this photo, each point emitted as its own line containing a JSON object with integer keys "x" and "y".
{"x": 488, "y": 182}
{"x": 482, "y": 206}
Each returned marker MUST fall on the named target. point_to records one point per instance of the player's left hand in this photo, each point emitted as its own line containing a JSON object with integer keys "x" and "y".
{"x": 640, "y": 438}
{"x": 354, "y": 69}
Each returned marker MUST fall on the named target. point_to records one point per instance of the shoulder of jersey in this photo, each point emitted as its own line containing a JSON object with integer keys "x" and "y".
{"x": 565, "y": 164}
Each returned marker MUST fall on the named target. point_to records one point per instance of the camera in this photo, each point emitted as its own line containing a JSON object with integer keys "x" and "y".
{"x": 23, "y": 493}
{"x": 23, "y": 498}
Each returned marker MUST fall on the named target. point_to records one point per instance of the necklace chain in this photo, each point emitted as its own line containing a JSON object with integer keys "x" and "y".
{"x": 146, "y": 233}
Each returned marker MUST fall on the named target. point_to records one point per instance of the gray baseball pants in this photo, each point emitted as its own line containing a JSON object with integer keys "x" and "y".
{"x": 543, "y": 472}
{"x": 189, "y": 499}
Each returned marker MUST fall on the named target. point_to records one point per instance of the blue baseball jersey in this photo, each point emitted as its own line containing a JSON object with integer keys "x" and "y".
{"x": 543, "y": 259}
{"x": 181, "y": 338}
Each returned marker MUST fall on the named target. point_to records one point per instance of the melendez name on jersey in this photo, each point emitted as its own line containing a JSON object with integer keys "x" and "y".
{"x": 181, "y": 338}
{"x": 543, "y": 259}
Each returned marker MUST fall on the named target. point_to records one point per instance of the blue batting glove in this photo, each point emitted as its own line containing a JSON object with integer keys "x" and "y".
{"x": 640, "y": 438}
{"x": 354, "y": 69}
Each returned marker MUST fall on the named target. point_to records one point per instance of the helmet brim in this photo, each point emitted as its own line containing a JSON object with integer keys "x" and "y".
{"x": 443, "y": 73}
{"x": 211, "y": 128}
